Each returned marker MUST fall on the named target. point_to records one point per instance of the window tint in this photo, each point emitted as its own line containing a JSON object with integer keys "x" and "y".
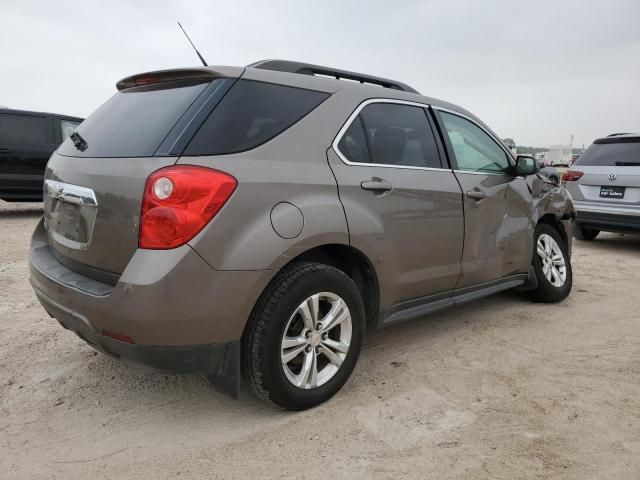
{"x": 67, "y": 127}
{"x": 399, "y": 135}
{"x": 353, "y": 144}
{"x": 475, "y": 150}
{"x": 612, "y": 154}
{"x": 24, "y": 129}
{"x": 134, "y": 121}
{"x": 250, "y": 114}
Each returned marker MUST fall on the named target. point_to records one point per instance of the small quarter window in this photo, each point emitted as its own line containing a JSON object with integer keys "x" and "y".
{"x": 353, "y": 144}
{"x": 250, "y": 114}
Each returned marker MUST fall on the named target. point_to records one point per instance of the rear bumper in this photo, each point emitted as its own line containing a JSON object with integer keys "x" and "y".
{"x": 219, "y": 359}
{"x": 607, "y": 216}
{"x": 610, "y": 208}
{"x": 614, "y": 222}
{"x": 182, "y": 314}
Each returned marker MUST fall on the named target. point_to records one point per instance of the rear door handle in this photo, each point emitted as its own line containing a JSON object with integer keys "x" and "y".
{"x": 378, "y": 185}
{"x": 476, "y": 194}
{"x": 5, "y": 150}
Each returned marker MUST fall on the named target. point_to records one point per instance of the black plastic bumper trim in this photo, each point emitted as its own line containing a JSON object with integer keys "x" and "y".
{"x": 220, "y": 361}
{"x": 608, "y": 221}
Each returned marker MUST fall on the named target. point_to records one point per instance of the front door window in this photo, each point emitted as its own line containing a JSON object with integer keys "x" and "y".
{"x": 475, "y": 151}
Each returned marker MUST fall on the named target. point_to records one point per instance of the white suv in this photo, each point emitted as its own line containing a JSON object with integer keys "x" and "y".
{"x": 605, "y": 186}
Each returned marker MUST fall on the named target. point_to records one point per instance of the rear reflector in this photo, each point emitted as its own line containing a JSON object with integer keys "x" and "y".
{"x": 118, "y": 336}
{"x": 571, "y": 176}
{"x": 179, "y": 201}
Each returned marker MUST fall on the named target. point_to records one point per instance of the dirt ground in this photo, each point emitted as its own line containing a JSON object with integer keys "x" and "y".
{"x": 501, "y": 388}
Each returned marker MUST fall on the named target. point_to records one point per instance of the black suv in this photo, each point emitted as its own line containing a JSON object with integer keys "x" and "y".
{"x": 27, "y": 140}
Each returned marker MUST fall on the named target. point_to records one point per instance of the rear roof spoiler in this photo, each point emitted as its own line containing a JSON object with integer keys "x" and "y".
{"x": 179, "y": 74}
{"x": 624, "y": 138}
{"x": 309, "y": 69}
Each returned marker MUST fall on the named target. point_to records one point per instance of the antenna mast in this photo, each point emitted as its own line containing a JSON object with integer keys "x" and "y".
{"x": 194, "y": 47}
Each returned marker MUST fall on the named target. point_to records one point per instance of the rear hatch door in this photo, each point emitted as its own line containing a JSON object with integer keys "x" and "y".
{"x": 92, "y": 209}
{"x": 94, "y": 183}
{"x": 619, "y": 185}
{"x": 611, "y": 168}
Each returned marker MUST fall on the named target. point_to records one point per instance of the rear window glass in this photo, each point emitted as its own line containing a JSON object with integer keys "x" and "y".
{"x": 250, "y": 114}
{"x": 17, "y": 129}
{"x": 134, "y": 121}
{"x": 611, "y": 155}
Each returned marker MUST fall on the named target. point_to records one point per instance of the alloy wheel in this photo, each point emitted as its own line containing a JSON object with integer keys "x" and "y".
{"x": 316, "y": 340}
{"x": 552, "y": 260}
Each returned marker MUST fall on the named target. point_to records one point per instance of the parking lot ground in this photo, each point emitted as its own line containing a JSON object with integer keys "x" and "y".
{"x": 500, "y": 388}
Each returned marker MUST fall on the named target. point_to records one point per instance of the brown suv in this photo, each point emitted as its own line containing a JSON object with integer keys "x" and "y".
{"x": 258, "y": 220}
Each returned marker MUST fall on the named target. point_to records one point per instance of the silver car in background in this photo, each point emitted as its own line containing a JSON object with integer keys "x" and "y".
{"x": 605, "y": 186}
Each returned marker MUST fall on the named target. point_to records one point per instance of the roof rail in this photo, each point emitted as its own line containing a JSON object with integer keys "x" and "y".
{"x": 309, "y": 69}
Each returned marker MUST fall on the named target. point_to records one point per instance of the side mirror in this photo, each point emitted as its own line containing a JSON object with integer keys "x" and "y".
{"x": 526, "y": 165}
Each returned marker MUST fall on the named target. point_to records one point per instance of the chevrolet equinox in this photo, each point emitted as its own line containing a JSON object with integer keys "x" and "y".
{"x": 254, "y": 222}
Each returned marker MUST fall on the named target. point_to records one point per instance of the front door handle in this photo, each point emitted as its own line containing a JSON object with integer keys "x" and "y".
{"x": 4, "y": 150}
{"x": 376, "y": 184}
{"x": 476, "y": 194}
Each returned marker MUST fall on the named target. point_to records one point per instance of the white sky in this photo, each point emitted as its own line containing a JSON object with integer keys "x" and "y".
{"x": 534, "y": 70}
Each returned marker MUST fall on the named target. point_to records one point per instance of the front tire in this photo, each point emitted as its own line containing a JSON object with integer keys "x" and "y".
{"x": 552, "y": 266}
{"x": 304, "y": 336}
{"x": 585, "y": 233}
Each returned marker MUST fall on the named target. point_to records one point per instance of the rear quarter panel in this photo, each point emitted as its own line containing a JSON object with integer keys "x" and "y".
{"x": 290, "y": 168}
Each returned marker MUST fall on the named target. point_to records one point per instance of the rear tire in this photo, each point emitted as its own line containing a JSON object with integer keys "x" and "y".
{"x": 585, "y": 233}
{"x": 283, "y": 321}
{"x": 552, "y": 266}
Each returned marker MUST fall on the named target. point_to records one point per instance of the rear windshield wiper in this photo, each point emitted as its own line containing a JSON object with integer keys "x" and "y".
{"x": 78, "y": 142}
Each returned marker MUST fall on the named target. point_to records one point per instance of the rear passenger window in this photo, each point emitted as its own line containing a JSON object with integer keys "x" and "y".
{"x": 396, "y": 134}
{"x": 251, "y": 114}
{"x": 24, "y": 129}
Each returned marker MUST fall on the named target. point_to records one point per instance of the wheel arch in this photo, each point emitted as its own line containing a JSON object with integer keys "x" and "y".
{"x": 552, "y": 220}
{"x": 351, "y": 261}
{"x": 355, "y": 264}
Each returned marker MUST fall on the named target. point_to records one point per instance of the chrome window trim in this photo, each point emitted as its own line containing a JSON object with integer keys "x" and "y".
{"x": 492, "y": 136}
{"x": 353, "y": 116}
{"x": 475, "y": 172}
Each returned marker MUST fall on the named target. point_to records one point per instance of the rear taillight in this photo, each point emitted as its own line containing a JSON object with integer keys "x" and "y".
{"x": 179, "y": 201}
{"x": 571, "y": 176}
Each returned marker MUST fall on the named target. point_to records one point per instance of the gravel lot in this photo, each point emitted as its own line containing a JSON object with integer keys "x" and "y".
{"x": 501, "y": 388}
